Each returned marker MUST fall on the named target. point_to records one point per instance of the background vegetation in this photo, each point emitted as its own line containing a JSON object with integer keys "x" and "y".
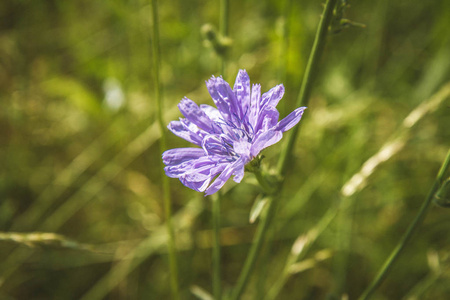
{"x": 80, "y": 159}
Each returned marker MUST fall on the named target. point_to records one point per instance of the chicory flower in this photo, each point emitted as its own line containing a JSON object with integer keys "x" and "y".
{"x": 229, "y": 136}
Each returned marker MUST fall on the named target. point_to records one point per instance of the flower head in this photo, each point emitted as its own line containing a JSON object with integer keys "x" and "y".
{"x": 229, "y": 136}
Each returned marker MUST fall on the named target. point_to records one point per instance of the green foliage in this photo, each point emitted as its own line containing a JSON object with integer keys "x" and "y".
{"x": 86, "y": 170}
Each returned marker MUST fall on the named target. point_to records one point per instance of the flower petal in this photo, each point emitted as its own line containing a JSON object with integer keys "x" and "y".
{"x": 212, "y": 112}
{"x": 254, "y": 106}
{"x": 239, "y": 172}
{"x": 291, "y": 120}
{"x": 194, "y": 114}
{"x": 200, "y": 179}
{"x": 268, "y": 118}
{"x": 265, "y": 140}
{"x": 181, "y": 130}
{"x": 179, "y": 155}
{"x": 242, "y": 92}
{"x": 189, "y": 166}
{"x": 273, "y": 96}
{"x": 224, "y": 98}
{"x": 223, "y": 177}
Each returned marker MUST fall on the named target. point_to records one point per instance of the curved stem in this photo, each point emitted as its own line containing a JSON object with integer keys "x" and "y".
{"x": 308, "y": 79}
{"x": 217, "y": 289}
{"x": 165, "y": 180}
{"x": 408, "y": 234}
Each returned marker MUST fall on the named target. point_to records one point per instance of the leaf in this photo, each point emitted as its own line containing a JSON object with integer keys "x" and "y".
{"x": 200, "y": 293}
{"x": 257, "y": 209}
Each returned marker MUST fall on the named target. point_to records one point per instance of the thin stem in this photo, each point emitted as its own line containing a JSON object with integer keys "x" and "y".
{"x": 217, "y": 289}
{"x": 408, "y": 234}
{"x": 254, "y": 251}
{"x": 308, "y": 79}
{"x": 303, "y": 98}
{"x": 268, "y": 189}
{"x": 223, "y": 28}
{"x": 165, "y": 180}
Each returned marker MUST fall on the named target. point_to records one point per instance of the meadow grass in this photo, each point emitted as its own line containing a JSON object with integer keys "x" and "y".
{"x": 82, "y": 214}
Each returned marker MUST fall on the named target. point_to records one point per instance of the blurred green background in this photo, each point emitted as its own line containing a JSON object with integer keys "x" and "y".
{"x": 80, "y": 159}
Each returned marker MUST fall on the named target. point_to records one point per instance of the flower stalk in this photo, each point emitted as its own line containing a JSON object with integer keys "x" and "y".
{"x": 165, "y": 180}
{"x": 308, "y": 79}
{"x": 387, "y": 266}
{"x": 305, "y": 91}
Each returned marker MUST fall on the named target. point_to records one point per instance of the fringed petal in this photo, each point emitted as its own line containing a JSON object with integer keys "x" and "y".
{"x": 265, "y": 140}
{"x": 242, "y": 92}
{"x": 223, "y": 177}
{"x": 183, "y": 131}
{"x": 195, "y": 115}
{"x": 224, "y": 99}
{"x": 177, "y": 156}
{"x": 273, "y": 96}
{"x": 291, "y": 120}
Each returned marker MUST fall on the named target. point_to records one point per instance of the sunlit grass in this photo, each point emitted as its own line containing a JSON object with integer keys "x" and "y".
{"x": 78, "y": 170}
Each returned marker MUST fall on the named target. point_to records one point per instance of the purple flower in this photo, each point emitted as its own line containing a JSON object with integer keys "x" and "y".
{"x": 229, "y": 136}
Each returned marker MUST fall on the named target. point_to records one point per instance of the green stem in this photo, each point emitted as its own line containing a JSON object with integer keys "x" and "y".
{"x": 165, "y": 180}
{"x": 408, "y": 234}
{"x": 268, "y": 189}
{"x": 303, "y": 98}
{"x": 223, "y": 27}
{"x": 217, "y": 289}
{"x": 308, "y": 79}
{"x": 254, "y": 251}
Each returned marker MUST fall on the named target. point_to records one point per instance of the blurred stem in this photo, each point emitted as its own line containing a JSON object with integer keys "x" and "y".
{"x": 223, "y": 27}
{"x": 165, "y": 180}
{"x": 254, "y": 250}
{"x": 217, "y": 289}
{"x": 311, "y": 70}
{"x": 308, "y": 79}
{"x": 408, "y": 234}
